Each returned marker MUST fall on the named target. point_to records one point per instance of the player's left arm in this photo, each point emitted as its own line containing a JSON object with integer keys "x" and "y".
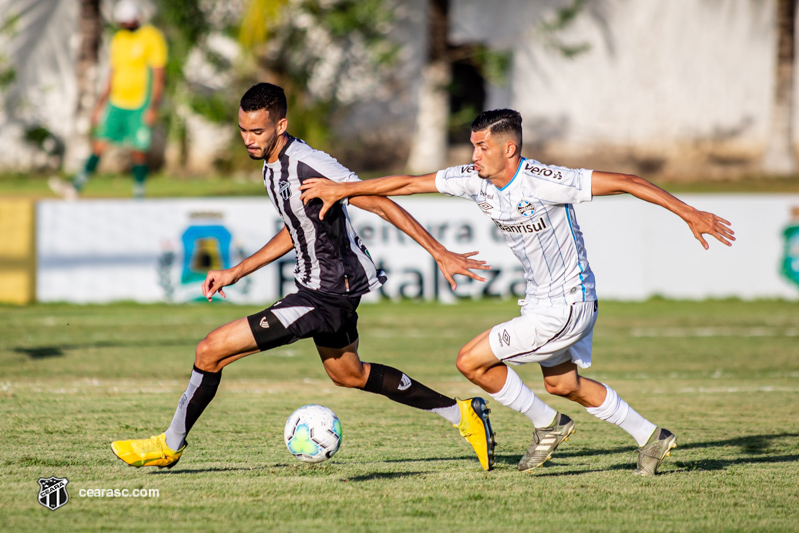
{"x": 450, "y": 263}
{"x": 331, "y": 192}
{"x": 157, "y": 57}
{"x": 159, "y": 81}
{"x": 700, "y": 222}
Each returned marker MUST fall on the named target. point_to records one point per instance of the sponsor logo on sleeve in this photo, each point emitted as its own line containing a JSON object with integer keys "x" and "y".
{"x": 541, "y": 170}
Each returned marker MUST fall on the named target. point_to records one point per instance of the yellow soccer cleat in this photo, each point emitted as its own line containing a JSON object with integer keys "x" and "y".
{"x": 147, "y": 452}
{"x": 475, "y": 427}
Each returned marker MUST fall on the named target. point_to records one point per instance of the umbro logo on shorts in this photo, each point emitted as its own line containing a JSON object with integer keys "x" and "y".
{"x": 504, "y": 337}
{"x": 264, "y": 323}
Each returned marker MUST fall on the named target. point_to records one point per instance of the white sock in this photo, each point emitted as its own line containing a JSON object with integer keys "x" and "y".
{"x": 519, "y": 397}
{"x": 176, "y": 434}
{"x": 451, "y": 413}
{"x": 617, "y": 411}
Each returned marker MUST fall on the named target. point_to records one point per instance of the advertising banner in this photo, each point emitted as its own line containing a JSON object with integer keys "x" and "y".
{"x": 159, "y": 250}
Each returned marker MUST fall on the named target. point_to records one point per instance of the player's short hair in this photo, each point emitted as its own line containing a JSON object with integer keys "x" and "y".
{"x": 500, "y": 121}
{"x": 265, "y": 96}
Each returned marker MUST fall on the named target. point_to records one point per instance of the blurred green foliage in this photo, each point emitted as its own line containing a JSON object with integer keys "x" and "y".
{"x": 8, "y": 27}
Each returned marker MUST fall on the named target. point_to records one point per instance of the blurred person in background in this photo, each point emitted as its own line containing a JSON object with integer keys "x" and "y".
{"x": 128, "y": 106}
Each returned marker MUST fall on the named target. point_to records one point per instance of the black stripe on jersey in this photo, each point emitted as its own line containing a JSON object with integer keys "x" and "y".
{"x": 295, "y": 222}
{"x": 334, "y": 228}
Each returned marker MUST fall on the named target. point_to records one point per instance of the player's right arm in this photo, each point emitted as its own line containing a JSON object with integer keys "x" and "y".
{"x": 277, "y": 247}
{"x": 102, "y": 100}
{"x": 331, "y": 192}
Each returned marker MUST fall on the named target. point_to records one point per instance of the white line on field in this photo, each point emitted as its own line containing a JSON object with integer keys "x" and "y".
{"x": 715, "y": 332}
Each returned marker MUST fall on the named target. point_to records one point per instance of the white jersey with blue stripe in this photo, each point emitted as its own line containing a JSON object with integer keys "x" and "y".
{"x": 535, "y": 214}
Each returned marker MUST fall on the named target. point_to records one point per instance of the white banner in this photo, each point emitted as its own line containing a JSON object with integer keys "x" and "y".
{"x": 159, "y": 250}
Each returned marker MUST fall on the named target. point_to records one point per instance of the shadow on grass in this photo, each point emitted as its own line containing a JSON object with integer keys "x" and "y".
{"x": 354, "y": 479}
{"x": 165, "y": 471}
{"x": 43, "y": 352}
{"x": 752, "y": 449}
{"x": 382, "y": 475}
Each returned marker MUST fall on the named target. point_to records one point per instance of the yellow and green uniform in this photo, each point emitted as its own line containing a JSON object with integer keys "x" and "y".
{"x": 133, "y": 56}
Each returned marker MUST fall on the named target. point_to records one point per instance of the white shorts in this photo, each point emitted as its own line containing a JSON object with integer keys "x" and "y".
{"x": 548, "y": 336}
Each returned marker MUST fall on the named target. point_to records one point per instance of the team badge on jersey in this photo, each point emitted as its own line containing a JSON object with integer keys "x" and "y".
{"x": 525, "y": 208}
{"x": 285, "y": 190}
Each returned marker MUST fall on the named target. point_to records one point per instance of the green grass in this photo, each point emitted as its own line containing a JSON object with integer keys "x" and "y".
{"x": 249, "y": 184}
{"x": 723, "y": 375}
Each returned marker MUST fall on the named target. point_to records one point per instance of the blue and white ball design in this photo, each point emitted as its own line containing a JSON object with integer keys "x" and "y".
{"x": 313, "y": 433}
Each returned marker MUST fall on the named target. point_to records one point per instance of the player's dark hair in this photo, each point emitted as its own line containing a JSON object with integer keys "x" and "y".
{"x": 265, "y": 96}
{"x": 499, "y": 121}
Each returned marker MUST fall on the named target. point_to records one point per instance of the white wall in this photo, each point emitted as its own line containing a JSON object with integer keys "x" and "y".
{"x": 675, "y": 85}
{"x": 100, "y": 251}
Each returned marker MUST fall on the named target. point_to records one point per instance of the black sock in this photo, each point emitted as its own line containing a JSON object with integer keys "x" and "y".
{"x": 396, "y": 386}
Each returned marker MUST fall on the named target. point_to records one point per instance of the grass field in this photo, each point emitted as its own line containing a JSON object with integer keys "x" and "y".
{"x": 723, "y": 375}
{"x": 249, "y": 184}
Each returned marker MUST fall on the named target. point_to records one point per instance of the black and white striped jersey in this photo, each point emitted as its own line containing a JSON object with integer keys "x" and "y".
{"x": 330, "y": 256}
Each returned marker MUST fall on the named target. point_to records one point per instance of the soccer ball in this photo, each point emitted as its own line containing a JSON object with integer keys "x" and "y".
{"x": 313, "y": 433}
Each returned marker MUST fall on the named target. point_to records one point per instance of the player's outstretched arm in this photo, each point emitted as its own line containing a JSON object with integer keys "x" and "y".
{"x": 450, "y": 263}
{"x": 331, "y": 192}
{"x": 700, "y": 222}
{"x": 277, "y": 247}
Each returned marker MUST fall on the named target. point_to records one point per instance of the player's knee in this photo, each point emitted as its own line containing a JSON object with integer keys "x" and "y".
{"x": 205, "y": 355}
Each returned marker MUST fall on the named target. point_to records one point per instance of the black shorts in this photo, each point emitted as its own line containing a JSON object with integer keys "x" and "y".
{"x": 331, "y": 320}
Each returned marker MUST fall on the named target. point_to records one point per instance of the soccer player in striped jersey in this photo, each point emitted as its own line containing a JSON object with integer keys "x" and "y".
{"x": 531, "y": 204}
{"x": 333, "y": 271}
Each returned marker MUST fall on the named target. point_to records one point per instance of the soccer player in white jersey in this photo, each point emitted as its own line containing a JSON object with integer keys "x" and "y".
{"x": 333, "y": 271}
{"x": 531, "y": 203}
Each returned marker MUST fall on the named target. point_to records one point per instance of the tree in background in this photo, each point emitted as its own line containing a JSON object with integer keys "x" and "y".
{"x": 436, "y": 117}
{"x": 327, "y": 54}
{"x": 779, "y": 158}
{"x": 90, "y": 26}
